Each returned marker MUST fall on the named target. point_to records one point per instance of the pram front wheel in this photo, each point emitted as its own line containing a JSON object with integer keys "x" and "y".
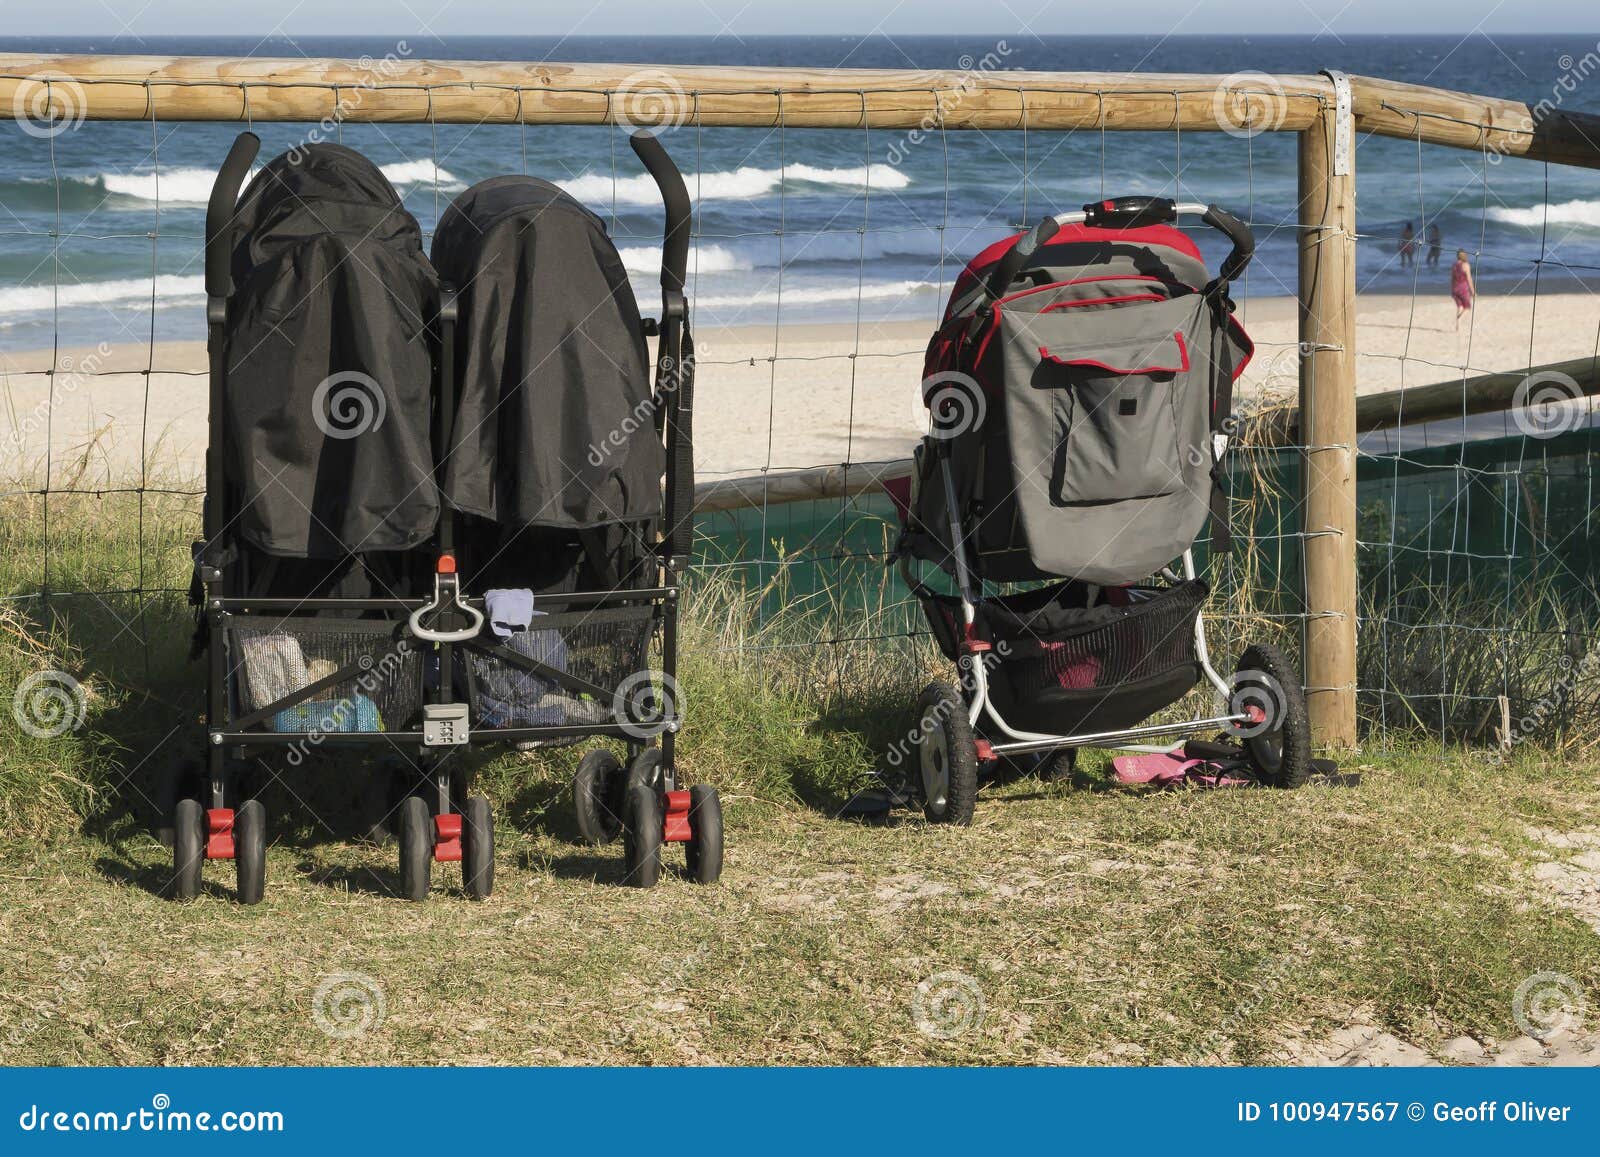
{"x": 250, "y": 851}
{"x": 477, "y": 848}
{"x": 947, "y": 756}
{"x": 704, "y": 849}
{"x": 1277, "y": 738}
{"x": 598, "y": 792}
{"x": 188, "y": 848}
{"x": 641, "y": 838}
{"x": 416, "y": 848}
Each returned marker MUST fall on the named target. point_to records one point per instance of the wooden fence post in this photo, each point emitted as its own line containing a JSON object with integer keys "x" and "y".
{"x": 1328, "y": 423}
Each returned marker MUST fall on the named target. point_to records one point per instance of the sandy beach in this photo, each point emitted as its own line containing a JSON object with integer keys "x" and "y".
{"x": 768, "y": 398}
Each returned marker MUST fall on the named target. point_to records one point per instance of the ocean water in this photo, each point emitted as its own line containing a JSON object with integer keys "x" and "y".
{"x": 100, "y": 226}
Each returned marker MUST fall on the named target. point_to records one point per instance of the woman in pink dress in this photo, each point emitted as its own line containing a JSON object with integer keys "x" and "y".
{"x": 1462, "y": 288}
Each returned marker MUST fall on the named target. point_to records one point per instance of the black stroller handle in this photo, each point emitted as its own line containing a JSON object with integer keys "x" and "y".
{"x": 675, "y": 246}
{"x": 1135, "y": 212}
{"x": 219, "y": 211}
{"x": 1236, "y": 231}
{"x": 1006, "y": 269}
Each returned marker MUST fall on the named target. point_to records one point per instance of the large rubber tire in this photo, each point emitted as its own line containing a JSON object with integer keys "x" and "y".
{"x": 646, "y": 768}
{"x": 250, "y": 851}
{"x": 477, "y": 848}
{"x": 416, "y": 848}
{"x": 188, "y": 848}
{"x": 1280, "y": 751}
{"x": 641, "y": 838}
{"x": 704, "y": 849}
{"x": 947, "y": 756}
{"x": 598, "y": 792}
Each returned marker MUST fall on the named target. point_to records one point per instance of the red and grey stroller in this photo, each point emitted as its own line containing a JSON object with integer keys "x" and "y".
{"x": 1079, "y": 391}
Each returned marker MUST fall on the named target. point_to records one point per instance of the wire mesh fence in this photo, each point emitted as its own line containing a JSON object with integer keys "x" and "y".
{"x": 822, "y": 258}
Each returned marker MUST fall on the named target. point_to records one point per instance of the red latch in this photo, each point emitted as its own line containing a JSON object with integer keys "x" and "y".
{"x": 985, "y": 750}
{"x": 675, "y": 824}
{"x": 447, "y": 842}
{"x": 447, "y": 564}
{"x": 219, "y": 833}
{"x": 971, "y": 644}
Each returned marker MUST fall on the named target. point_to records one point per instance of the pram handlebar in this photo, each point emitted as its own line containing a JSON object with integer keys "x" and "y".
{"x": 1006, "y": 269}
{"x": 675, "y": 245}
{"x": 219, "y": 210}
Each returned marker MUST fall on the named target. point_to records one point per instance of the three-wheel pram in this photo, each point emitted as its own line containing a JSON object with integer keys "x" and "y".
{"x": 439, "y": 519}
{"x": 1080, "y": 393}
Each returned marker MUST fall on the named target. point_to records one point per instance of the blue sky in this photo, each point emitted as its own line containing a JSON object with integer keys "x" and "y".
{"x": 133, "y": 18}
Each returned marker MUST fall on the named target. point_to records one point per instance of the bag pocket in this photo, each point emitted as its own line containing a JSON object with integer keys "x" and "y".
{"x": 1109, "y": 394}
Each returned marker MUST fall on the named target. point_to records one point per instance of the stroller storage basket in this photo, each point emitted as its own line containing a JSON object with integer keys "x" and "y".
{"x": 271, "y": 659}
{"x": 1060, "y": 666}
{"x": 600, "y": 648}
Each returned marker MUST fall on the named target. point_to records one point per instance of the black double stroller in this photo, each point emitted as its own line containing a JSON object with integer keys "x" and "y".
{"x": 436, "y": 517}
{"x": 1080, "y": 394}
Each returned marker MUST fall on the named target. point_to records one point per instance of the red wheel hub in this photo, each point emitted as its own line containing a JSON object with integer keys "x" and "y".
{"x": 447, "y": 838}
{"x": 219, "y": 833}
{"x": 675, "y": 827}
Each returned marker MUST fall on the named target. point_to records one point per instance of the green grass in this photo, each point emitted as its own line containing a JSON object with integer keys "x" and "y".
{"x": 1093, "y": 925}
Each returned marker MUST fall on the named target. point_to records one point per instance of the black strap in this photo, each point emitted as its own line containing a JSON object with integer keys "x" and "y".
{"x": 1221, "y": 411}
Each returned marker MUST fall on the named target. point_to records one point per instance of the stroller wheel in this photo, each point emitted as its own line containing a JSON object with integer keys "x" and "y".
{"x": 704, "y": 849}
{"x": 416, "y": 848}
{"x": 946, "y": 756}
{"x": 188, "y": 848}
{"x": 1277, "y": 739}
{"x": 1059, "y": 766}
{"x": 646, "y": 769}
{"x": 250, "y": 851}
{"x": 598, "y": 791}
{"x": 641, "y": 837}
{"x": 477, "y": 847}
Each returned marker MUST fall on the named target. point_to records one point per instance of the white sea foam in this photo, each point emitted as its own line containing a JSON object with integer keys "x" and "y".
{"x": 193, "y": 186}
{"x": 598, "y": 189}
{"x": 1562, "y": 213}
{"x": 816, "y": 294}
{"x": 646, "y": 259}
{"x": 170, "y": 289}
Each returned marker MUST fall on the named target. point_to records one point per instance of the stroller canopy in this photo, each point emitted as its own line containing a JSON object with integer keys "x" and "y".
{"x": 329, "y": 382}
{"x": 1103, "y": 371}
{"x": 554, "y": 422}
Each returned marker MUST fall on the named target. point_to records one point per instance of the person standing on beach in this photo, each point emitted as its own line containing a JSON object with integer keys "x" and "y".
{"x": 1435, "y": 244}
{"x": 1408, "y": 245}
{"x": 1462, "y": 287}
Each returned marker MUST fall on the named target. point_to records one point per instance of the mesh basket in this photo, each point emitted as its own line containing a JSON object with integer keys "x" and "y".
{"x": 1060, "y": 666}
{"x": 603, "y": 647}
{"x": 270, "y": 659}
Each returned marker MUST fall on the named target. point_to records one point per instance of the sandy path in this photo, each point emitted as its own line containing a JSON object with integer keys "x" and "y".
{"x": 805, "y": 395}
